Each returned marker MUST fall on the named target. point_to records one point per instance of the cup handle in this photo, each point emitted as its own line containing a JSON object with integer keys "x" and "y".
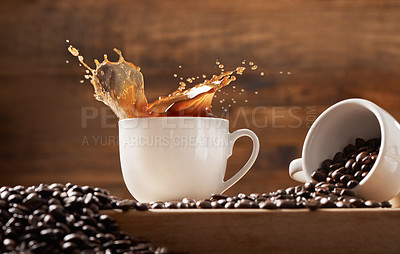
{"x": 256, "y": 148}
{"x": 296, "y": 170}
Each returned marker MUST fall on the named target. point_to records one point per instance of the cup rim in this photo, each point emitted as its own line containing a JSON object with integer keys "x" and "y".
{"x": 173, "y": 117}
{"x": 373, "y": 108}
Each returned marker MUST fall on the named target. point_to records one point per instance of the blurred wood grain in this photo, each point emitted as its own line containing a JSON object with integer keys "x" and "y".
{"x": 333, "y": 50}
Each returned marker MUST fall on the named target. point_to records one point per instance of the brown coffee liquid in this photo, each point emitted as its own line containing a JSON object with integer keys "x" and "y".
{"x": 120, "y": 85}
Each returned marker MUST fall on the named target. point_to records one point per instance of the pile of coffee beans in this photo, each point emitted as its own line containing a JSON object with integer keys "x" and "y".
{"x": 330, "y": 188}
{"x": 310, "y": 195}
{"x": 346, "y": 169}
{"x": 61, "y": 218}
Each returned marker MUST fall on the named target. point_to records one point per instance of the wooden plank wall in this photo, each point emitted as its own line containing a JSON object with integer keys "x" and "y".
{"x": 333, "y": 49}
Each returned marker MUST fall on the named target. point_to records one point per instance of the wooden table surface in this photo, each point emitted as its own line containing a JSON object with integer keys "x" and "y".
{"x": 361, "y": 230}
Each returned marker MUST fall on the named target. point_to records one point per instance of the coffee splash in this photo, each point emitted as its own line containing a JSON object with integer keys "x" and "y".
{"x": 120, "y": 85}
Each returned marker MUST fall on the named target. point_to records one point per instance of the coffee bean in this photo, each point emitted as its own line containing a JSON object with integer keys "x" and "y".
{"x": 346, "y": 192}
{"x": 122, "y": 244}
{"x": 361, "y": 156}
{"x": 284, "y": 196}
{"x": 69, "y": 246}
{"x": 364, "y": 174}
{"x": 349, "y": 164}
{"x": 337, "y": 175}
{"x": 338, "y": 156}
{"x": 230, "y": 205}
{"x": 365, "y": 167}
{"x": 329, "y": 186}
{"x": 245, "y": 204}
{"x": 188, "y": 201}
{"x": 372, "y": 203}
{"x": 326, "y": 163}
{"x": 267, "y": 205}
{"x": 341, "y": 204}
{"x": 349, "y": 149}
{"x": 89, "y": 230}
{"x": 318, "y": 176}
{"x": 218, "y": 196}
{"x": 125, "y": 204}
{"x": 171, "y": 205}
{"x": 223, "y": 201}
{"x": 9, "y": 243}
{"x": 58, "y": 212}
{"x": 49, "y": 219}
{"x": 309, "y": 186}
{"x": 330, "y": 180}
{"x": 5, "y": 194}
{"x": 54, "y": 201}
{"x": 15, "y": 210}
{"x": 282, "y": 203}
{"x": 337, "y": 190}
{"x": 360, "y": 143}
{"x": 374, "y": 142}
{"x": 336, "y": 166}
{"x": 340, "y": 185}
{"x": 363, "y": 149}
{"x": 345, "y": 179}
{"x": 352, "y": 183}
{"x": 298, "y": 188}
{"x": 204, "y": 204}
{"x": 88, "y": 198}
{"x": 44, "y": 192}
{"x": 356, "y": 166}
{"x": 304, "y": 194}
{"x": 215, "y": 204}
{"x": 358, "y": 175}
{"x": 321, "y": 189}
{"x": 367, "y": 160}
{"x": 14, "y": 198}
{"x": 327, "y": 203}
{"x": 102, "y": 197}
{"x": 290, "y": 190}
{"x": 232, "y": 199}
{"x": 56, "y": 186}
{"x": 356, "y": 203}
{"x": 78, "y": 238}
{"x": 142, "y": 207}
{"x": 243, "y": 196}
{"x": 3, "y": 204}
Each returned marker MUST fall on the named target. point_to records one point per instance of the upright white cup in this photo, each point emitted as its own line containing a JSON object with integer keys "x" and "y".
{"x": 340, "y": 125}
{"x": 169, "y": 158}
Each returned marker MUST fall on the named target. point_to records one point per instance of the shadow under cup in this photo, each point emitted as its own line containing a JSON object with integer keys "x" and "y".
{"x": 169, "y": 158}
{"x": 339, "y": 126}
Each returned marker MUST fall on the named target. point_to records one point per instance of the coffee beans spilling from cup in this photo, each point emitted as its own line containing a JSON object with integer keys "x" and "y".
{"x": 310, "y": 195}
{"x": 348, "y": 168}
{"x": 61, "y": 218}
{"x": 330, "y": 188}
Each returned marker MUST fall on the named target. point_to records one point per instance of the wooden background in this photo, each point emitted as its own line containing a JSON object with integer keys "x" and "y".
{"x": 333, "y": 49}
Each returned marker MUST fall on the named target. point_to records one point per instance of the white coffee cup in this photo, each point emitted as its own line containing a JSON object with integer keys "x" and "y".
{"x": 169, "y": 158}
{"x": 340, "y": 125}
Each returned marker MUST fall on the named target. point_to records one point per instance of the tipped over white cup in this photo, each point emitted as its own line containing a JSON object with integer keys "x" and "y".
{"x": 340, "y": 125}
